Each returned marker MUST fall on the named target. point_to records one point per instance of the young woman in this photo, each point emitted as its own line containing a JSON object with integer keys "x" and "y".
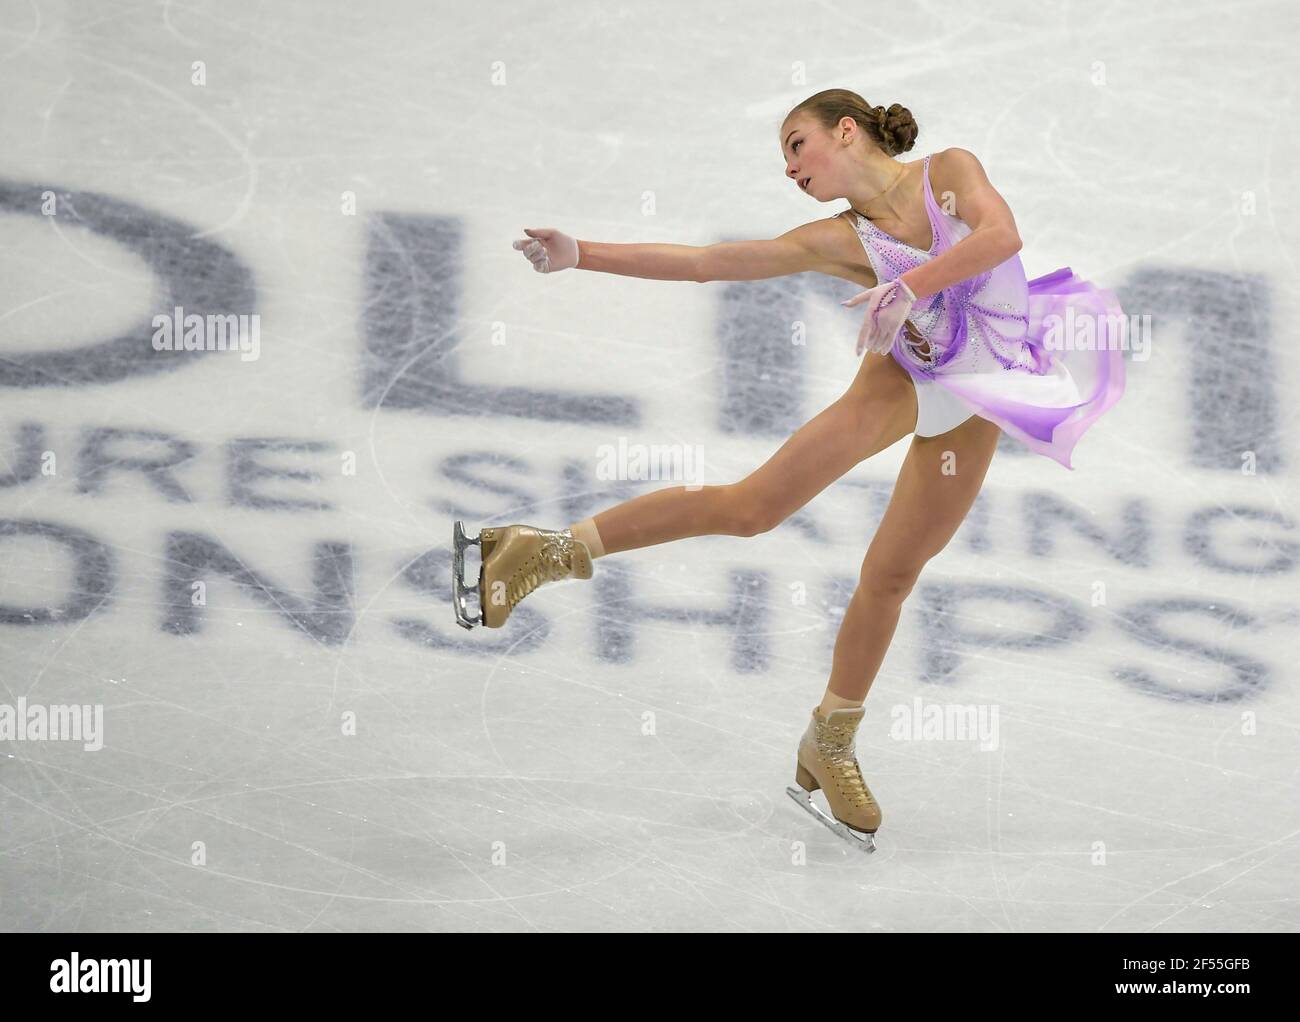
{"x": 959, "y": 350}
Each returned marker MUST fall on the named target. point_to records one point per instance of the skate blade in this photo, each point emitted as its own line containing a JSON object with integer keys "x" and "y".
{"x": 858, "y": 839}
{"x": 461, "y": 593}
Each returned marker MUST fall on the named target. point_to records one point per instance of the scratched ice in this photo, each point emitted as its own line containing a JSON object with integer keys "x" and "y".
{"x": 244, "y": 561}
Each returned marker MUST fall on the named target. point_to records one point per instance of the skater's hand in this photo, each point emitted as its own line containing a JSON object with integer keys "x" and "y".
{"x": 548, "y": 249}
{"x": 887, "y": 308}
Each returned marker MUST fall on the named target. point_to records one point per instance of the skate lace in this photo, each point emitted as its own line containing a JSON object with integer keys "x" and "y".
{"x": 849, "y": 776}
{"x": 551, "y": 563}
{"x": 835, "y": 742}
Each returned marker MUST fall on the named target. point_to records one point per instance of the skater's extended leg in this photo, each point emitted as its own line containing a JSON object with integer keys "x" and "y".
{"x": 875, "y": 412}
{"x": 927, "y": 507}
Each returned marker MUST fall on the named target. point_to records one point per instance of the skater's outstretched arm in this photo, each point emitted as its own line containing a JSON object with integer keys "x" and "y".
{"x": 819, "y": 246}
{"x": 962, "y": 189}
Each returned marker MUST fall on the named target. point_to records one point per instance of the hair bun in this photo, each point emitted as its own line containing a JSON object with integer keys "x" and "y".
{"x": 897, "y": 128}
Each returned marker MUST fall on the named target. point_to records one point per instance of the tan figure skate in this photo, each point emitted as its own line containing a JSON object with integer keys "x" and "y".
{"x": 516, "y": 560}
{"x": 826, "y": 760}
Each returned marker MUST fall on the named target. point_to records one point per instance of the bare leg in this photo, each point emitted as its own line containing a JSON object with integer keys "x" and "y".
{"x": 924, "y": 512}
{"x": 875, "y": 412}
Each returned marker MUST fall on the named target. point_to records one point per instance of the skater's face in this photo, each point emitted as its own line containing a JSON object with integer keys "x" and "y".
{"x": 815, "y": 157}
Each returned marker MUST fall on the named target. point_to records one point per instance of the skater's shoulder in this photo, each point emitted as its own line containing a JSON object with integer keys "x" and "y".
{"x": 953, "y": 159}
{"x": 826, "y": 236}
{"x": 954, "y": 170}
{"x": 961, "y": 188}
{"x": 838, "y": 244}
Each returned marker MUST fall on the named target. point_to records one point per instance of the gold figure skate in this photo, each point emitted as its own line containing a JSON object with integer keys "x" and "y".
{"x": 516, "y": 560}
{"x": 826, "y": 760}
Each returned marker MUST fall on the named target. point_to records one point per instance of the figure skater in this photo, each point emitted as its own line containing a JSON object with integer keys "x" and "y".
{"x": 958, "y": 350}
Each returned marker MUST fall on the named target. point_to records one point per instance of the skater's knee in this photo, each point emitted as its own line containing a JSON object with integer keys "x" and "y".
{"x": 889, "y": 582}
{"x": 742, "y": 513}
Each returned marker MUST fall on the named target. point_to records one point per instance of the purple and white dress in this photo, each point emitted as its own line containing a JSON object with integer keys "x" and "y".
{"x": 986, "y": 342}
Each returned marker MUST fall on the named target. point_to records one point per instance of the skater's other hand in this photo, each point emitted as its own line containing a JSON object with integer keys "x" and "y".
{"x": 548, "y": 250}
{"x": 887, "y": 307}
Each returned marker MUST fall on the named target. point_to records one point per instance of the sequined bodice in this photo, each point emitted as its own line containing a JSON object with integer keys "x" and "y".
{"x": 977, "y": 321}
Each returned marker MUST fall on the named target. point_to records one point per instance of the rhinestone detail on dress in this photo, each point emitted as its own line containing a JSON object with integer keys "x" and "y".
{"x": 995, "y": 329}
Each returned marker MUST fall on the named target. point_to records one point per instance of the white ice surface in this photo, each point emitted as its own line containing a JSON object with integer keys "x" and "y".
{"x": 588, "y": 767}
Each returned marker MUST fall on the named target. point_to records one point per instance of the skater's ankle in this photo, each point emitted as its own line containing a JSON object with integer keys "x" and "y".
{"x": 585, "y": 532}
{"x": 831, "y": 702}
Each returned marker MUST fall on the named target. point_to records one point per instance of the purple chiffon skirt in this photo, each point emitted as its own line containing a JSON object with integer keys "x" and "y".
{"x": 1079, "y": 377}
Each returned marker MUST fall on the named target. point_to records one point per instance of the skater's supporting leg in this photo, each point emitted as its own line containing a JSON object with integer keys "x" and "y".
{"x": 924, "y": 512}
{"x": 831, "y": 702}
{"x": 877, "y": 410}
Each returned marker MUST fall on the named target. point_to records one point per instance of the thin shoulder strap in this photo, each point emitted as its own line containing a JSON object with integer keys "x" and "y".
{"x": 925, "y": 173}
